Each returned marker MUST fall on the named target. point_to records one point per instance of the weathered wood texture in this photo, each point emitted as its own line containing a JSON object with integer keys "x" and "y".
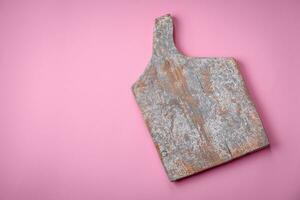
{"x": 197, "y": 109}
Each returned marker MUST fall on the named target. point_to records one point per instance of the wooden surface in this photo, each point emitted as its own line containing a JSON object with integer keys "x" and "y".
{"x": 197, "y": 109}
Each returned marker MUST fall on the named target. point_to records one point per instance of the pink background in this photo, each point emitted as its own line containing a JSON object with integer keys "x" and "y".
{"x": 70, "y": 127}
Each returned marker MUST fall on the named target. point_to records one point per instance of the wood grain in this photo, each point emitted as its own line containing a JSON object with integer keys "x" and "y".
{"x": 197, "y": 110}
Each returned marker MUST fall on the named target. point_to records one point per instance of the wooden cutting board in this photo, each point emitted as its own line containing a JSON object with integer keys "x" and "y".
{"x": 197, "y": 109}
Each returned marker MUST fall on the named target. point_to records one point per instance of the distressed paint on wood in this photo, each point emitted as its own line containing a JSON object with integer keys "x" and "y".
{"x": 197, "y": 109}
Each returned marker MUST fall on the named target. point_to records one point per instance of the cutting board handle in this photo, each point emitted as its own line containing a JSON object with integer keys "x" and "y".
{"x": 163, "y": 39}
